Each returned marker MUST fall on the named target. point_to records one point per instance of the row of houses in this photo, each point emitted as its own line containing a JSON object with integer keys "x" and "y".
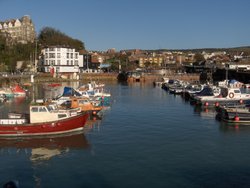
{"x": 62, "y": 60}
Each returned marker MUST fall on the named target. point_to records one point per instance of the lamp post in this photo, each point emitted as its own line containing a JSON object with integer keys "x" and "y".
{"x": 35, "y": 67}
{"x": 227, "y": 66}
{"x": 119, "y": 61}
{"x": 87, "y": 63}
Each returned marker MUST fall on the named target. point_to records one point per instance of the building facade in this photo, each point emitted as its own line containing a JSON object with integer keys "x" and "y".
{"x": 60, "y": 60}
{"x": 156, "y": 60}
{"x": 18, "y": 30}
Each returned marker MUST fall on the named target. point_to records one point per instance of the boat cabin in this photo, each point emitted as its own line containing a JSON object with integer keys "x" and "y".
{"x": 230, "y": 93}
{"x": 51, "y": 112}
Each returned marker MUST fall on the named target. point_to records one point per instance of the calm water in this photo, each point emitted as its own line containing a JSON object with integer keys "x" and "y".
{"x": 148, "y": 138}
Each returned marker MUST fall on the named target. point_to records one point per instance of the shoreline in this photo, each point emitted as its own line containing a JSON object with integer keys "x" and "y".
{"x": 86, "y": 77}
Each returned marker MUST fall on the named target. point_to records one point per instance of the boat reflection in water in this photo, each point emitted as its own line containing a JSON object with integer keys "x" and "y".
{"x": 239, "y": 128}
{"x": 44, "y": 148}
{"x": 205, "y": 113}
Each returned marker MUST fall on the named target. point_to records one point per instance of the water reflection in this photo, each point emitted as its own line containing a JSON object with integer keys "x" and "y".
{"x": 205, "y": 113}
{"x": 227, "y": 127}
{"x": 43, "y": 148}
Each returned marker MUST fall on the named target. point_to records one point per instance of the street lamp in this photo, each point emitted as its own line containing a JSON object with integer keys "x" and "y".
{"x": 119, "y": 61}
{"x": 35, "y": 57}
{"x": 87, "y": 63}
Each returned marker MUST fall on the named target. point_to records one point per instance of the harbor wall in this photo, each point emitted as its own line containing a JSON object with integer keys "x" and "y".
{"x": 86, "y": 77}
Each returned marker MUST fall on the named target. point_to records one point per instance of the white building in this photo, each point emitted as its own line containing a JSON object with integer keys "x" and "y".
{"x": 61, "y": 60}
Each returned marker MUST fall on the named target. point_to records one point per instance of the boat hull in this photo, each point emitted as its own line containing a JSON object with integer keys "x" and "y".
{"x": 221, "y": 102}
{"x": 72, "y": 124}
{"x": 234, "y": 115}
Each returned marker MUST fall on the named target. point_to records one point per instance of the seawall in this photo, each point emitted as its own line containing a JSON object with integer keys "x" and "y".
{"x": 86, "y": 77}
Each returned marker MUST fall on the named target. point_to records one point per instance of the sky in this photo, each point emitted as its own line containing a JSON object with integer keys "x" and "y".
{"x": 140, "y": 24}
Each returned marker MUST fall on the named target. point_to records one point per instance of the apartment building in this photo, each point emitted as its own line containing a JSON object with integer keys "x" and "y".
{"x": 60, "y": 60}
{"x": 157, "y": 60}
{"x": 18, "y": 30}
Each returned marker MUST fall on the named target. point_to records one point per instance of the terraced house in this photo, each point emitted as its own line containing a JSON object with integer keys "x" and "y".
{"x": 18, "y": 30}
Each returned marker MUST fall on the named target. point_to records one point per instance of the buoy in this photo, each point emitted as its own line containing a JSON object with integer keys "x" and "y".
{"x": 217, "y": 104}
{"x": 241, "y": 101}
{"x": 94, "y": 112}
{"x": 206, "y": 104}
{"x": 236, "y": 118}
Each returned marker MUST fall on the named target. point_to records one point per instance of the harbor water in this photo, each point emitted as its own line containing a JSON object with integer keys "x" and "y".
{"x": 147, "y": 138}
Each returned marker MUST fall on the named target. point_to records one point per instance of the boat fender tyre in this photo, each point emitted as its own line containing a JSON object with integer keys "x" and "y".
{"x": 231, "y": 95}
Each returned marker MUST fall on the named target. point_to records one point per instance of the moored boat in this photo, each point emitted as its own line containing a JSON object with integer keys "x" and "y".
{"x": 84, "y": 104}
{"x": 234, "y": 114}
{"x": 43, "y": 120}
{"x": 227, "y": 96}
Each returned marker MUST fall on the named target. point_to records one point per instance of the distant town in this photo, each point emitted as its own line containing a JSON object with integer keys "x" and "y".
{"x": 23, "y": 50}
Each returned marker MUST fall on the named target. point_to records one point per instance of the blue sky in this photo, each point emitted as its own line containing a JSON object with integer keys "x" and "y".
{"x": 140, "y": 24}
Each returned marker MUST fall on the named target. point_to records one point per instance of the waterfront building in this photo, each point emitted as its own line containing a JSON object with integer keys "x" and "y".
{"x": 61, "y": 60}
{"x": 18, "y": 30}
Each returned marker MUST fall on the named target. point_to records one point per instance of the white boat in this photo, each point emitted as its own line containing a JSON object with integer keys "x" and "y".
{"x": 227, "y": 96}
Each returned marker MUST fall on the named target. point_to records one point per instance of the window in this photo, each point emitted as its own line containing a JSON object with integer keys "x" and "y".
{"x": 237, "y": 91}
{"x": 71, "y": 56}
{"x": 58, "y": 62}
{"x": 62, "y": 115}
{"x": 42, "y": 109}
{"x": 34, "y": 109}
{"x": 51, "y": 62}
{"x": 51, "y": 55}
{"x": 58, "y": 55}
{"x": 76, "y": 55}
{"x": 68, "y": 55}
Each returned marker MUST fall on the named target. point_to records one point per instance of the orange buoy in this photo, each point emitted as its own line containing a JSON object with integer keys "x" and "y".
{"x": 241, "y": 101}
{"x": 236, "y": 118}
{"x": 94, "y": 112}
{"x": 206, "y": 103}
{"x": 217, "y": 104}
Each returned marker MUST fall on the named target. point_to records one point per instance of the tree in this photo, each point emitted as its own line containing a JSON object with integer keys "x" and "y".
{"x": 199, "y": 57}
{"x": 51, "y": 37}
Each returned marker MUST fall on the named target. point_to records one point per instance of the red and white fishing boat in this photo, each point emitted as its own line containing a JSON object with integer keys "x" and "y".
{"x": 43, "y": 120}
